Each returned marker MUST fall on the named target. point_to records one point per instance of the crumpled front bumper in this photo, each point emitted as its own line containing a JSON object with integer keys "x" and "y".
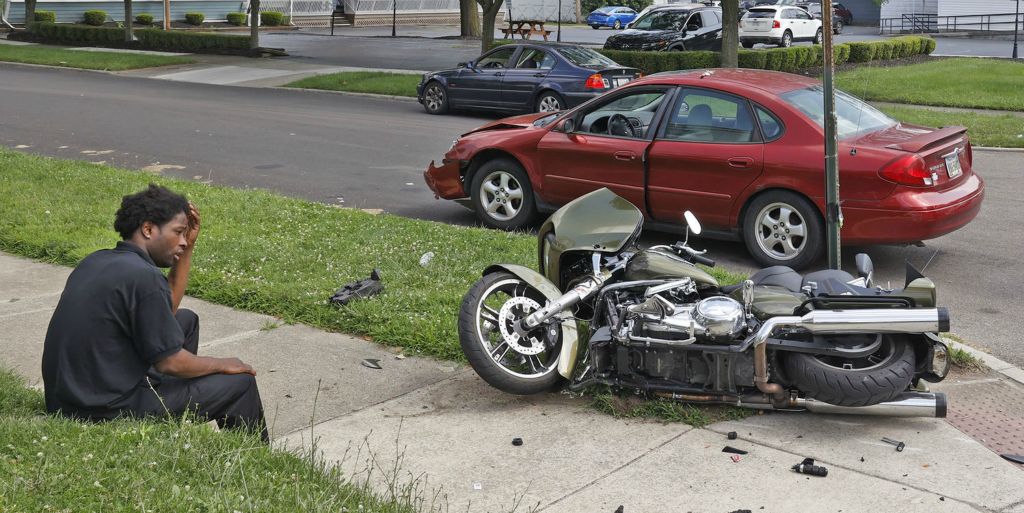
{"x": 445, "y": 180}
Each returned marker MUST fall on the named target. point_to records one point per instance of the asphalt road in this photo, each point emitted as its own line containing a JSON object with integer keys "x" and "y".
{"x": 370, "y": 153}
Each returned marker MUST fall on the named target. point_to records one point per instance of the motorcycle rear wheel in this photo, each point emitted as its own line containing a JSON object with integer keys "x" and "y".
{"x": 877, "y": 378}
{"x": 521, "y": 366}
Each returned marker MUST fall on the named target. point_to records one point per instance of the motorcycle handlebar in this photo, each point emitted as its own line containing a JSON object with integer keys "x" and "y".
{"x": 703, "y": 260}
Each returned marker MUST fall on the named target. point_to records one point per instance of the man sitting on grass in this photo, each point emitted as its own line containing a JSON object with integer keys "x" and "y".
{"x": 118, "y": 345}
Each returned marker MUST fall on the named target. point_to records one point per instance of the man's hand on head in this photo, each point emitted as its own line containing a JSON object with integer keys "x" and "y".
{"x": 194, "y": 222}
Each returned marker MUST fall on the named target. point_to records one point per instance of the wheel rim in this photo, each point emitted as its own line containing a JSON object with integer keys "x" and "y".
{"x": 500, "y": 306}
{"x": 885, "y": 354}
{"x": 817, "y": 37}
{"x": 501, "y": 195}
{"x": 786, "y": 40}
{"x": 549, "y": 103}
{"x": 781, "y": 231}
{"x": 434, "y": 98}
{"x": 618, "y": 25}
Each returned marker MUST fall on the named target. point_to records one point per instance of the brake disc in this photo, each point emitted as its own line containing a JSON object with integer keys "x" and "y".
{"x": 514, "y": 309}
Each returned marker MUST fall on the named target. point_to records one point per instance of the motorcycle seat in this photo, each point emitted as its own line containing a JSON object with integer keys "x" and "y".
{"x": 787, "y": 278}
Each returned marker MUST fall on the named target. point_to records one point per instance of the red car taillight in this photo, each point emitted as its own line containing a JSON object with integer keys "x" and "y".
{"x": 970, "y": 155}
{"x": 776, "y": 24}
{"x": 908, "y": 170}
{"x": 595, "y": 81}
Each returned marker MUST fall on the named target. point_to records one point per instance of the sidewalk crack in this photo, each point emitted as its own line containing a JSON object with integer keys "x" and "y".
{"x": 616, "y": 469}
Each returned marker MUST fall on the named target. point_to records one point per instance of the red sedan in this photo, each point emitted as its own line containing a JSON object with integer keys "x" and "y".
{"x": 742, "y": 149}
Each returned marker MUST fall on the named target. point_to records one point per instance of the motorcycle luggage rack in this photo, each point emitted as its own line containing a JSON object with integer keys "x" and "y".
{"x": 828, "y": 302}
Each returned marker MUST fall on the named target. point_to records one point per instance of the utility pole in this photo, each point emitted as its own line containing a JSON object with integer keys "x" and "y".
{"x": 833, "y": 216}
{"x": 1016, "y": 24}
{"x": 559, "y": 36}
{"x": 394, "y": 16}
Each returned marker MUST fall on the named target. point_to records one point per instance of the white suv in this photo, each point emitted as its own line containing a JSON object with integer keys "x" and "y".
{"x": 779, "y": 25}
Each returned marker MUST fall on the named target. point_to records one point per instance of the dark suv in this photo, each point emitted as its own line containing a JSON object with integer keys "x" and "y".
{"x": 672, "y": 29}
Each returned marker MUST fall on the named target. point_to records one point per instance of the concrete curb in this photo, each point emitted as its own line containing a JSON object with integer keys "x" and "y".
{"x": 1004, "y": 368}
{"x": 351, "y": 93}
{"x": 995, "y": 149}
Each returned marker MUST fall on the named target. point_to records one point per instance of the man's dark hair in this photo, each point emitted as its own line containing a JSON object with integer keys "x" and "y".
{"x": 156, "y": 204}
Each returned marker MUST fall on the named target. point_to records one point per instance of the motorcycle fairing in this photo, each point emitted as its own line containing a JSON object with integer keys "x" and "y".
{"x": 570, "y": 337}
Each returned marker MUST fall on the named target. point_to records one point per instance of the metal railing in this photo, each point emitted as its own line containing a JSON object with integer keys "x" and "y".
{"x": 932, "y": 23}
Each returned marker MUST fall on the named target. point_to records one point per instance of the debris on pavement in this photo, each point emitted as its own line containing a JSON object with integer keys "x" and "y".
{"x": 733, "y": 450}
{"x": 358, "y": 289}
{"x": 478, "y": 486}
{"x": 620, "y": 509}
{"x": 1016, "y": 458}
{"x": 735, "y": 458}
{"x": 731, "y": 435}
{"x": 808, "y": 467}
{"x": 741, "y": 511}
{"x": 899, "y": 445}
{"x": 372, "y": 363}
{"x": 517, "y": 441}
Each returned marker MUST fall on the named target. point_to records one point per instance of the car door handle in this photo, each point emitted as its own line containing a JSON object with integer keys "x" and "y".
{"x": 538, "y": 75}
{"x": 625, "y": 155}
{"x": 741, "y": 162}
{"x": 498, "y": 74}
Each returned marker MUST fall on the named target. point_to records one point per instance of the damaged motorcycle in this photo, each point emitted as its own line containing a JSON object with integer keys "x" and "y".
{"x": 603, "y": 311}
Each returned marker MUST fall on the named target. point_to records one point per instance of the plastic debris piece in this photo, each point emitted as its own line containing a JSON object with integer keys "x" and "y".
{"x": 899, "y": 445}
{"x": 478, "y": 486}
{"x": 733, "y": 450}
{"x": 735, "y": 458}
{"x": 1016, "y": 458}
{"x": 399, "y": 356}
{"x": 517, "y": 441}
{"x": 426, "y": 258}
{"x": 620, "y": 509}
{"x": 808, "y": 467}
{"x": 731, "y": 435}
{"x": 372, "y": 363}
{"x": 741, "y": 511}
{"x": 358, "y": 289}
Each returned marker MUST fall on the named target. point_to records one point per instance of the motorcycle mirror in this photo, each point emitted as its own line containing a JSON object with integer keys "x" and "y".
{"x": 691, "y": 222}
{"x": 865, "y": 268}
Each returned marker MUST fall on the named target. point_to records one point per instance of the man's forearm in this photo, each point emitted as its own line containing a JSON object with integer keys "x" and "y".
{"x": 177, "y": 278}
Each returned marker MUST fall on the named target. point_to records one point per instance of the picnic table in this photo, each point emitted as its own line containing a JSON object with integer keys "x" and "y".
{"x": 525, "y": 28}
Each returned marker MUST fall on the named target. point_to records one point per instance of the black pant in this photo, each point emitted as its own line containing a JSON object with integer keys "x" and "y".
{"x": 233, "y": 400}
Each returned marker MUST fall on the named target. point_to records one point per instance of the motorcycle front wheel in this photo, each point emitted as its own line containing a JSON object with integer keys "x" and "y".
{"x": 876, "y": 378}
{"x": 505, "y": 360}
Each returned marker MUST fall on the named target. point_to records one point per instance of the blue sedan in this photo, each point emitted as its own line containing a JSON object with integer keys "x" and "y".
{"x": 614, "y": 17}
{"x": 528, "y": 76}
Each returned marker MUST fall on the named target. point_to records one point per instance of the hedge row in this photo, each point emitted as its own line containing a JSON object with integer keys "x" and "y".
{"x": 775, "y": 59}
{"x": 148, "y": 39}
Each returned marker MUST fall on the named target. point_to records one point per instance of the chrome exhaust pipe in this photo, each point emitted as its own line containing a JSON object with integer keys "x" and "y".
{"x": 908, "y": 404}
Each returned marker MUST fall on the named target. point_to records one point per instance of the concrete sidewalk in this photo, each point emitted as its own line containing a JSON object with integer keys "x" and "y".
{"x": 444, "y": 429}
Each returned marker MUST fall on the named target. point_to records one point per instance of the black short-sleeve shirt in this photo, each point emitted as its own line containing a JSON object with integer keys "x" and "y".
{"x": 113, "y": 321}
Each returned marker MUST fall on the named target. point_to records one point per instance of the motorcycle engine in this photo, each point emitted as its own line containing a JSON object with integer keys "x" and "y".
{"x": 716, "y": 319}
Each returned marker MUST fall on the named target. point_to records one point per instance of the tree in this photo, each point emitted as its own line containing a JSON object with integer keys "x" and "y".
{"x": 730, "y": 33}
{"x": 128, "y": 21}
{"x": 469, "y": 18}
{"x": 491, "y": 8}
{"x": 254, "y": 24}
{"x": 30, "y": 11}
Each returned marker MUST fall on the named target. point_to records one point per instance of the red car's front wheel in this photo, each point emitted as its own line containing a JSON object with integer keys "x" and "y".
{"x": 502, "y": 195}
{"x": 783, "y": 228}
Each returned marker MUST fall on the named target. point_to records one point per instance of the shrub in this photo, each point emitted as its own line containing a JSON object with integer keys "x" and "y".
{"x": 95, "y": 17}
{"x": 752, "y": 59}
{"x": 46, "y": 16}
{"x": 236, "y": 18}
{"x": 144, "y": 19}
{"x": 271, "y": 18}
{"x": 929, "y": 46}
{"x": 861, "y": 52}
{"x": 842, "y": 53}
{"x": 194, "y": 18}
{"x": 884, "y": 51}
{"x": 184, "y": 41}
{"x": 77, "y": 34}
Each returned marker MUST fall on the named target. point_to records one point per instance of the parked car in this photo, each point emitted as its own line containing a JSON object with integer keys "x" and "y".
{"x": 530, "y": 77}
{"x": 674, "y": 28}
{"x": 778, "y": 25}
{"x": 837, "y": 21}
{"x": 614, "y": 17}
{"x": 837, "y": 8}
{"x": 742, "y": 149}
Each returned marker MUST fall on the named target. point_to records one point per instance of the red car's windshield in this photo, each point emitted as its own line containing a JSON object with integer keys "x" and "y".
{"x": 853, "y": 117}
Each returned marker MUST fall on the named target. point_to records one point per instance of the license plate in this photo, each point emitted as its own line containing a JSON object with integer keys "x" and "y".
{"x": 618, "y": 81}
{"x": 953, "y": 168}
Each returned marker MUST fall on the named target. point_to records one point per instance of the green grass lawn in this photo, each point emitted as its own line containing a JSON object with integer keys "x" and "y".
{"x": 111, "y": 61}
{"x": 54, "y": 464}
{"x": 266, "y": 253}
{"x": 1000, "y": 130}
{"x": 363, "y": 82}
{"x": 961, "y": 82}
